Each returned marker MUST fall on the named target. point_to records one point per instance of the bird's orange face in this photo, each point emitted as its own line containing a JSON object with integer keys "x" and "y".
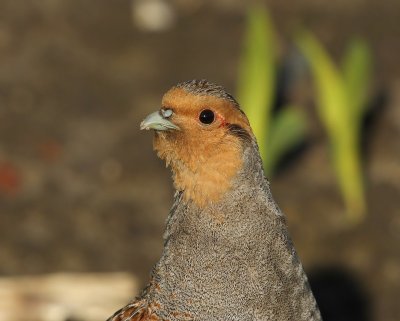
{"x": 201, "y": 138}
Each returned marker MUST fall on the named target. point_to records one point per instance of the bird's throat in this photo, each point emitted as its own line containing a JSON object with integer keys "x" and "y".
{"x": 202, "y": 173}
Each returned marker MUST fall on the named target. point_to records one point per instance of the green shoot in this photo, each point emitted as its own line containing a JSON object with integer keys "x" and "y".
{"x": 256, "y": 92}
{"x": 341, "y": 100}
{"x": 288, "y": 129}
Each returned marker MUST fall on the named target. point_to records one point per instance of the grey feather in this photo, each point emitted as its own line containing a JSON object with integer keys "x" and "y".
{"x": 244, "y": 268}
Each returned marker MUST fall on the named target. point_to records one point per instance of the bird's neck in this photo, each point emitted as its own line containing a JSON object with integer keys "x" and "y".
{"x": 246, "y": 203}
{"x": 231, "y": 260}
{"x": 226, "y": 238}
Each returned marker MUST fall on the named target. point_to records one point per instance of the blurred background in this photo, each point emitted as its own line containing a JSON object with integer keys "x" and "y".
{"x": 83, "y": 198}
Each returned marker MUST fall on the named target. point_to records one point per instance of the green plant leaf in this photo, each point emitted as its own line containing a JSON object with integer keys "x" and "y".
{"x": 336, "y": 106}
{"x": 331, "y": 96}
{"x": 288, "y": 129}
{"x": 256, "y": 83}
{"x": 357, "y": 65}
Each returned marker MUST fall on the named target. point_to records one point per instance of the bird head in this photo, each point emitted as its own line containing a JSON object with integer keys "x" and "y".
{"x": 201, "y": 133}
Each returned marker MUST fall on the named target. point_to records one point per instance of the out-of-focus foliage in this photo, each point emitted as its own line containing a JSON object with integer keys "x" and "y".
{"x": 276, "y": 134}
{"x": 288, "y": 129}
{"x": 341, "y": 99}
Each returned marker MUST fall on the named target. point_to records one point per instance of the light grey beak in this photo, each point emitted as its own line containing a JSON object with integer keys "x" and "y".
{"x": 157, "y": 121}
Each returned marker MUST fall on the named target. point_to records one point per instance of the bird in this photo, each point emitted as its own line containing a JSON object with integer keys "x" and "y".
{"x": 227, "y": 252}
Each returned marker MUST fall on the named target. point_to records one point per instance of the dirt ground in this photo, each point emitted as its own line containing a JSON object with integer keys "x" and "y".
{"x": 81, "y": 188}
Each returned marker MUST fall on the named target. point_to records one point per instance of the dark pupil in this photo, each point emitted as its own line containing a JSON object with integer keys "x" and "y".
{"x": 206, "y": 116}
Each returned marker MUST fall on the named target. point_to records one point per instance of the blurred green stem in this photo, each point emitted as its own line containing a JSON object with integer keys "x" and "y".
{"x": 341, "y": 100}
{"x": 256, "y": 83}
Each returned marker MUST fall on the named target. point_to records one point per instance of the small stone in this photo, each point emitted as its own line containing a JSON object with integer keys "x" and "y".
{"x": 152, "y": 15}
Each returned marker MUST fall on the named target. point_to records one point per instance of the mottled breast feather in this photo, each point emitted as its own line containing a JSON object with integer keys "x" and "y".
{"x": 135, "y": 311}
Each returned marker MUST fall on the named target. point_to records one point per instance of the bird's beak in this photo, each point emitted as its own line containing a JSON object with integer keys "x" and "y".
{"x": 157, "y": 121}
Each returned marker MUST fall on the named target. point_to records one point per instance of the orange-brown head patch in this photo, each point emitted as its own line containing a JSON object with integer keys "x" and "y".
{"x": 204, "y": 157}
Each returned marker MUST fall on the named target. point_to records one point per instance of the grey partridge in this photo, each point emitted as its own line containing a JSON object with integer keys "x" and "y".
{"x": 227, "y": 251}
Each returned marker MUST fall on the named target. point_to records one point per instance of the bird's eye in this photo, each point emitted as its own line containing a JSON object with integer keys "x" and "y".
{"x": 206, "y": 116}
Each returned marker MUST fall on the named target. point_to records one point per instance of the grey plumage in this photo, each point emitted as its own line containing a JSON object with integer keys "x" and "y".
{"x": 244, "y": 268}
